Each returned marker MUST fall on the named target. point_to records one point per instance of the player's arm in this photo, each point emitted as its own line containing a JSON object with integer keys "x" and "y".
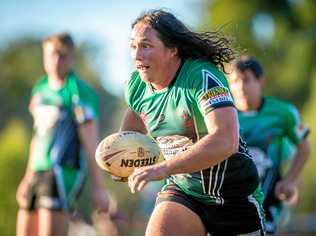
{"x": 286, "y": 188}
{"x": 29, "y": 173}
{"x": 88, "y": 133}
{"x": 132, "y": 121}
{"x": 219, "y": 144}
{"x": 300, "y": 158}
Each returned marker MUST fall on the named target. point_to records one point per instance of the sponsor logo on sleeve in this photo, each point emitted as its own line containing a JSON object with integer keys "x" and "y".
{"x": 215, "y": 96}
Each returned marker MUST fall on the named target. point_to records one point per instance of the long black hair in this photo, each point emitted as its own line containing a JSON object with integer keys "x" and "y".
{"x": 211, "y": 46}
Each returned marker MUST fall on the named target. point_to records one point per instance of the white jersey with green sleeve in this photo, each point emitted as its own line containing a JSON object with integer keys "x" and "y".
{"x": 175, "y": 117}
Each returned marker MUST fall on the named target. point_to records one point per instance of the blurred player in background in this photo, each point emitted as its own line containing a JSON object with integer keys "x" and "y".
{"x": 269, "y": 126}
{"x": 180, "y": 96}
{"x": 65, "y": 113}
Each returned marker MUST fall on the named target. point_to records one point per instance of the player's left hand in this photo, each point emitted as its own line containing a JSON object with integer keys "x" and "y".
{"x": 141, "y": 176}
{"x": 286, "y": 190}
{"x": 100, "y": 200}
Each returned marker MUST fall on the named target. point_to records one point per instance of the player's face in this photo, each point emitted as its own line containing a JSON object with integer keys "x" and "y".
{"x": 56, "y": 63}
{"x": 244, "y": 86}
{"x": 150, "y": 55}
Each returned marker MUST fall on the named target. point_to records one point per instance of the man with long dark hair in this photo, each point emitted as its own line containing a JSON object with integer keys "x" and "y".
{"x": 179, "y": 95}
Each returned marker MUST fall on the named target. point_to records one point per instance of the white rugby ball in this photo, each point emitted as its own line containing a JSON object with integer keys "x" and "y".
{"x": 122, "y": 152}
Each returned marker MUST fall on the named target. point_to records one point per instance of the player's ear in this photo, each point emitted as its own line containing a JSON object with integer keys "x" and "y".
{"x": 174, "y": 51}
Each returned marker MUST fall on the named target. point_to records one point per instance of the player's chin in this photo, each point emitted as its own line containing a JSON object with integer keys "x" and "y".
{"x": 145, "y": 76}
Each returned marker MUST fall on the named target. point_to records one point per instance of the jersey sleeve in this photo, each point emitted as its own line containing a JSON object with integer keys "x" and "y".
{"x": 133, "y": 92}
{"x": 210, "y": 90}
{"x": 87, "y": 107}
{"x": 295, "y": 129}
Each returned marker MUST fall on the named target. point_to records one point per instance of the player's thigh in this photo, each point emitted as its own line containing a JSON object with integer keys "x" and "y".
{"x": 53, "y": 222}
{"x": 172, "y": 218}
{"x": 27, "y": 223}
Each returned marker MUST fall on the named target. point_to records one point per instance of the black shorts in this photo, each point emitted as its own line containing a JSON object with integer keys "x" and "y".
{"x": 44, "y": 192}
{"x": 230, "y": 219}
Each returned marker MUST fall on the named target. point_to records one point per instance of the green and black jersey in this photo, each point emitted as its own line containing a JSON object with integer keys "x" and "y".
{"x": 175, "y": 116}
{"x": 51, "y": 108}
{"x": 269, "y": 132}
{"x": 57, "y": 114}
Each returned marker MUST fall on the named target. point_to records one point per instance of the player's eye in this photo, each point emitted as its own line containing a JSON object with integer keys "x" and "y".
{"x": 132, "y": 45}
{"x": 145, "y": 45}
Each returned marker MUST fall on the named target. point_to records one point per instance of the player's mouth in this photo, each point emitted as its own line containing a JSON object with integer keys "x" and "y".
{"x": 142, "y": 67}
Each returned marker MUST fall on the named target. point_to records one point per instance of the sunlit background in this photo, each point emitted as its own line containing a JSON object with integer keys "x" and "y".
{"x": 280, "y": 33}
{"x": 105, "y": 24}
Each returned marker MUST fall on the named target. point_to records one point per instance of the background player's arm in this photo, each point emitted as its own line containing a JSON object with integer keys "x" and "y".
{"x": 286, "y": 188}
{"x": 132, "y": 121}
{"x": 29, "y": 173}
{"x": 88, "y": 133}
{"x": 301, "y": 156}
{"x": 220, "y": 143}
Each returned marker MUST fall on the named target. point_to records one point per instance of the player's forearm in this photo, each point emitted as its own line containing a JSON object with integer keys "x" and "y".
{"x": 89, "y": 136}
{"x": 29, "y": 171}
{"x": 302, "y": 155}
{"x": 94, "y": 171}
{"x": 209, "y": 151}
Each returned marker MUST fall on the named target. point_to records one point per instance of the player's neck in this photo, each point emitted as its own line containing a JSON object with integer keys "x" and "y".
{"x": 170, "y": 75}
{"x": 56, "y": 81}
{"x": 251, "y": 104}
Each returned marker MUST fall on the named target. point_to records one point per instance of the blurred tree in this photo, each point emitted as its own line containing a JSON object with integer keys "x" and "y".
{"x": 20, "y": 67}
{"x": 14, "y": 142}
{"x": 281, "y": 34}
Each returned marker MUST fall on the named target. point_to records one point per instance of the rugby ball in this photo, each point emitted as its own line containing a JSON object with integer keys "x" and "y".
{"x": 122, "y": 152}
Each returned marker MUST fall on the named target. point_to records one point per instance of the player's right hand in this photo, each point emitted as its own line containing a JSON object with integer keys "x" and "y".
{"x": 21, "y": 194}
{"x": 287, "y": 190}
{"x": 141, "y": 176}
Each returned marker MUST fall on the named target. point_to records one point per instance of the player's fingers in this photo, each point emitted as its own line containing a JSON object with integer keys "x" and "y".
{"x": 22, "y": 202}
{"x": 141, "y": 185}
{"x": 131, "y": 179}
{"x": 293, "y": 200}
{"x": 279, "y": 191}
{"x": 132, "y": 182}
{"x": 133, "y": 175}
{"x": 282, "y": 196}
{"x": 136, "y": 180}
